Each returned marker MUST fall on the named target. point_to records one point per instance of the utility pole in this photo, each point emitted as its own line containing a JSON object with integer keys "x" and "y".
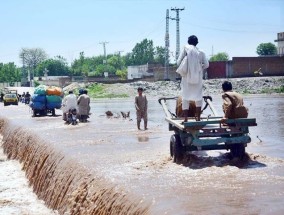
{"x": 104, "y": 46}
{"x": 105, "y": 56}
{"x": 167, "y": 45}
{"x": 177, "y": 10}
{"x": 119, "y": 56}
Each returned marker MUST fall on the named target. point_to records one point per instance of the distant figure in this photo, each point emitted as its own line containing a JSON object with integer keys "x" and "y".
{"x": 192, "y": 82}
{"x": 141, "y": 105}
{"x": 2, "y": 96}
{"x": 233, "y": 105}
{"x": 69, "y": 102}
{"x": 23, "y": 97}
{"x": 84, "y": 106}
{"x": 27, "y": 98}
{"x": 258, "y": 72}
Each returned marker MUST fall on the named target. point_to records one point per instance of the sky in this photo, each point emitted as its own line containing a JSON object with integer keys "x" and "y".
{"x": 68, "y": 27}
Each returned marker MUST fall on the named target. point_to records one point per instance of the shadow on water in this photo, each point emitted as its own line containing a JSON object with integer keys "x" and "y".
{"x": 194, "y": 161}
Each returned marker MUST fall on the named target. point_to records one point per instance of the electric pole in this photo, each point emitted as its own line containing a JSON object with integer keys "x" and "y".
{"x": 104, "y": 46}
{"x": 177, "y": 10}
{"x": 119, "y": 57}
{"x": 167, "y": 45}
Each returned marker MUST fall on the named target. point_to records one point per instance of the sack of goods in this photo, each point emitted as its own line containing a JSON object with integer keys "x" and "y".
{"x": 46, "y": 97}
{"x": 56, "y": 91}
{"x": 40, "y": 90}
{"x": 37, "y": 105}
{"x": 53, "y": 101}
{"x": 38, "y": 102}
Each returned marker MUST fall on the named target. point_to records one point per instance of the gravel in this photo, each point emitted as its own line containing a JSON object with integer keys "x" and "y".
{"x": 252, "y": 85}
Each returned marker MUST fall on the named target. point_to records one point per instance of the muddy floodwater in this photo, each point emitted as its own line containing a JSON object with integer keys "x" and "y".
{"x": 122, "y": 160}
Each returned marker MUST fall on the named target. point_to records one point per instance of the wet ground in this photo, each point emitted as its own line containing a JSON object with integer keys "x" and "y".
{"x": 139, "y": 161}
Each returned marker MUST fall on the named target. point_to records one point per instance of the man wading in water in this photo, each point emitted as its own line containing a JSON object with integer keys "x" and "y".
{"x": 141, "y": 105}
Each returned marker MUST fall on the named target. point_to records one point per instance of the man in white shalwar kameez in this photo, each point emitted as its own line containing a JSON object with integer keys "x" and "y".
{"x": 192, "y": 83}
{"x": 69, "y": 102}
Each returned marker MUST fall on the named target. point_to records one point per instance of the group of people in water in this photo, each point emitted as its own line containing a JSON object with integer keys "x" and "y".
{"x": 188, "y": 104}
{"x": 24, "y": 98}
{"x": 76, "y": 107}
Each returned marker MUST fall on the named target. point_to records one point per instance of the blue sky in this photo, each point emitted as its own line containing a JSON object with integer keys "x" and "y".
{"x": 67, "y": 27}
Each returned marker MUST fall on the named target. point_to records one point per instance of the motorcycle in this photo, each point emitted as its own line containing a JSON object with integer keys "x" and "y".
{"x": 72, "y": 116}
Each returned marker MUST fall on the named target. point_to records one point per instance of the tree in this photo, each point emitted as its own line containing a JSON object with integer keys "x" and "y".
{"x": 122, "y": 73}
{"x": 56, "y": 67}
{"x": 222, "y": 56}
{"x": 159, "y": 56}
{"x": 116, "y": 61}
{"x": 78, "y": 67}
{"x": 9, "y": 73}
{"x": 143, "y": 53}
{"x": 266, "y": 49}
{"x": 32, "y": 57}
{"x": 100, "y": 69}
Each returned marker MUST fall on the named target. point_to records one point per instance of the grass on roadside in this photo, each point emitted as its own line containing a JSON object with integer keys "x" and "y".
{"x": 266, "y": 90}
{"x": 98, "y": 90}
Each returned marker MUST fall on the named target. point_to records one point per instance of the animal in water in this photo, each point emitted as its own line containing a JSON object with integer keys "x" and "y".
{"x": 125, "y": 114}
{"x": 109, "y": 113}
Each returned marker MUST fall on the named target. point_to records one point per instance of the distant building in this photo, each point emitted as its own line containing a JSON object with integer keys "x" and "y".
{"x": 140, "y": 71}
{"x": 280, "y": 43}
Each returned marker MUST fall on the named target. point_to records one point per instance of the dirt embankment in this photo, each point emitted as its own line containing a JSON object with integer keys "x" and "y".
{"x": 252, "y": 85}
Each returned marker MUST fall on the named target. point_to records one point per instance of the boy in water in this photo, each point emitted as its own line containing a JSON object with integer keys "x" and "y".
{"x": 141, "y": 105}
{"x": 233, "y": 105}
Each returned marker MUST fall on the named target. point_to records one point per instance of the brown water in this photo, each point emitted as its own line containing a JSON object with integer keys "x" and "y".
{"x": 108, "y": 166}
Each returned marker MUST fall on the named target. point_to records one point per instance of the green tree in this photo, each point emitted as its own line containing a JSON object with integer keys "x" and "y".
{"x": 266, "y": 49}
{"x": 222, "y": 56}
{"x": 77, "y": 67}
{"x": 56, "y": 67}
{"x": 116, "y": 61}
{"x": 159, "y": 56}
{"x": 122, "y": 73}
{"x": 9, "y": 73}
{"x": 143, "y": 53}
{"x": 31, "y": 58}
{"x": 101, "y": 68}
{"x": 128, "y": 59}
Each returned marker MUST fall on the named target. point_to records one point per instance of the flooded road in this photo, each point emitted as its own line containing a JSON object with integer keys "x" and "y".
{"x": 139, "y": 161}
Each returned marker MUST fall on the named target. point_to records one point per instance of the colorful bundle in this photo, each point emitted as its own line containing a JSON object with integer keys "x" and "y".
{"x": 46, "y": 98}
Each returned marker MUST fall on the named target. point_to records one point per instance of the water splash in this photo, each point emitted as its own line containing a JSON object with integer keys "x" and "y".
{"x": 62, "y": 183}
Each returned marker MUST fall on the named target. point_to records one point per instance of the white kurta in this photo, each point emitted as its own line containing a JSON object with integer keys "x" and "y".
{"x": 196, "y": 65}
{"x": 69, "y": 102}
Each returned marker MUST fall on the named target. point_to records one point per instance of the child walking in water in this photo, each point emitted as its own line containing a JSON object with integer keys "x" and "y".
{"x": 141, "y": 105}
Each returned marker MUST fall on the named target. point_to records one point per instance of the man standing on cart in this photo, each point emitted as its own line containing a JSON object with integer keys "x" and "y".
{"x": 192, "y": 83}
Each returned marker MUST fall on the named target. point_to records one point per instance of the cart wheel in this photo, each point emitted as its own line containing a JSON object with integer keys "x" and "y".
{"x": 53, "y": 112}
{"x": 34, "y": 113}
{"x": 238, "y": 150}
{"x": 176, "y": 148}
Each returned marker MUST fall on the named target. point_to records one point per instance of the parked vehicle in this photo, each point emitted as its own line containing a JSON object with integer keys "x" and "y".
{"x": 10, "y": 99}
